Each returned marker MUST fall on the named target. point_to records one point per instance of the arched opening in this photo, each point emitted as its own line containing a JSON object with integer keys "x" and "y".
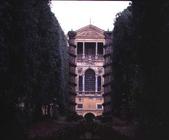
{"x": 90, "y": 80}
{"x": 89, "y": 117}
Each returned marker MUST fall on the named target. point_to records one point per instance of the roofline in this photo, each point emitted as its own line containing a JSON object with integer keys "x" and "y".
{"x": 90, "y": 25}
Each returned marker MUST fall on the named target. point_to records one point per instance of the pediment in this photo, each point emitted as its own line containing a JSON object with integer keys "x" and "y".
{"x": 90, "y": 32}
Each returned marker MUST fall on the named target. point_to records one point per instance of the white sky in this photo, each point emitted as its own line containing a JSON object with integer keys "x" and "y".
{"x": 76, "y": 14}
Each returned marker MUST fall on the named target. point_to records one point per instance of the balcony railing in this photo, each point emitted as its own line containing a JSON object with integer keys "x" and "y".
{"x": 89, "y": 93}
{"x": 81, "y": 57}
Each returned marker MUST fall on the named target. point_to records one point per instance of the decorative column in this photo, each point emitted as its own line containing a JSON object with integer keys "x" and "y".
{"x": 96, "y": 54}
{"x": 83, "y": 50}
{"x": 96, "y": 83}
{"x": 83, "y": 83}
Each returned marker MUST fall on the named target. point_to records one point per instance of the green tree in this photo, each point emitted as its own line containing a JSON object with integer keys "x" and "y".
{"x": 33, "y": 62}
{"x": 140, "y": 69}
{"x": 124, "y": 65}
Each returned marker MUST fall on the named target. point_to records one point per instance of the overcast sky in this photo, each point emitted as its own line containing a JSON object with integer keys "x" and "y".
{"x": 76, "y": 14}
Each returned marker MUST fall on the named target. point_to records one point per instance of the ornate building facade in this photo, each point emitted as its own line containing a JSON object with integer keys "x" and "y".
{"x": 91, "y": 76}
{"x": 89, "y": 42}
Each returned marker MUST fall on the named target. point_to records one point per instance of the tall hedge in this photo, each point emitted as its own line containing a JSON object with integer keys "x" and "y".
{"x": 33, "y": 62}
{"x": 140, "y": 66}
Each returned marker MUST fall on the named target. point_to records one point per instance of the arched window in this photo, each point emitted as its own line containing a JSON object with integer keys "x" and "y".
{"x": 90, "y": 80}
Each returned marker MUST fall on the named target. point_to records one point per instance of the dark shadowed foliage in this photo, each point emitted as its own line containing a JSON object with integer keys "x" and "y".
{"x": 33, "y": 64}
{"x": 140, "y": 39}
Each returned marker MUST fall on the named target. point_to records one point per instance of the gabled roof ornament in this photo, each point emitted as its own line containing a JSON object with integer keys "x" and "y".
{"x": 90, "y": 22}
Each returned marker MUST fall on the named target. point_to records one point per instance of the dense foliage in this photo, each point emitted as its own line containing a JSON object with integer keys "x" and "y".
{"x": 124, "y": 64}
{"x": 33, "y": 63}
{"x": 140, "y": 38}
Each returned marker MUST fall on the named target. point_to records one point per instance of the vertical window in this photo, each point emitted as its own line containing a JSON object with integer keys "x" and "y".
{"x": 80, "y": 48}
{"x": 80, "y": 83}
{"x": 99, "y": 83}
{"x": 100, "y": 48}
{"x": 90, "y": 48}
{"x": 90, "y": 80}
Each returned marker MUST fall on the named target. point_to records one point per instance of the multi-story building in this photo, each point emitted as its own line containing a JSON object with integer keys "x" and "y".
{"x": 107, "y": 74}
{"x": 90, "y": 54}
{"x": 72, "y": 71}
{"x": 89, "y": 42}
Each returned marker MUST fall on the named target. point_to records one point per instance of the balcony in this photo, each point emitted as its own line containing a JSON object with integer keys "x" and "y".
{"x": 72, "y": 51}
{"x": 98, "y": 57}
{"x": 108, "y": 51}
{"x": 72, "y": 42}
{"x": 72, "y": 61}
{"x": 72, "y": 69}
{"x": 89, "y": 93}
{"x": 107, "y": 71}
